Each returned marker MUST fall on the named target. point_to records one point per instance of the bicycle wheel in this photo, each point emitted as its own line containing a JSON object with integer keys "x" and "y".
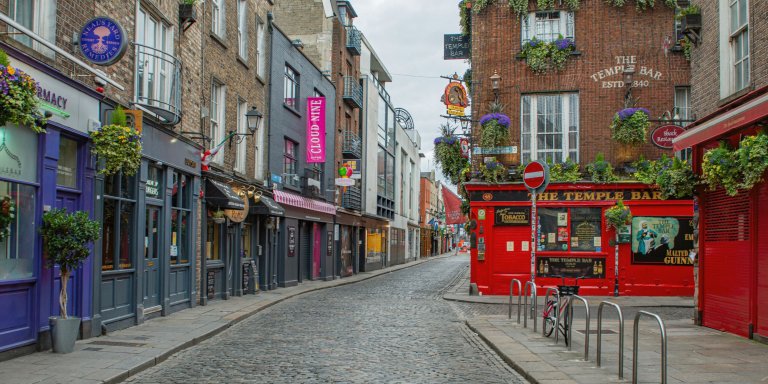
{"x": 549, "y": 319}
{"x": 564, "y": 325}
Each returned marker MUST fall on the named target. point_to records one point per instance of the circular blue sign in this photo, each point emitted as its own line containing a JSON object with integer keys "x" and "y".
{"x": 103, "y": 41}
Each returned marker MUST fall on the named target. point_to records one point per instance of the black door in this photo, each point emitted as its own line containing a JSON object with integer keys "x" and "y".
{"x": 152, "y": 248}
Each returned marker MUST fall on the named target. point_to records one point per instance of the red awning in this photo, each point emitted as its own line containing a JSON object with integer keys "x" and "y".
{"x": 303, "y": 202}
{"x": 719, "y": 124}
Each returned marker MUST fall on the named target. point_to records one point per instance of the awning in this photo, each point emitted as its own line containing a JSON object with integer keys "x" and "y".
{"x": 221, "y": 195}
{"x": 267, "y": 206}
{"x": 742, "y": 116}
{"x": 303, "y": 202}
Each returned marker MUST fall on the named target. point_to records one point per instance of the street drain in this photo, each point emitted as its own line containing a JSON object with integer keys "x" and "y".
{"x": 116, "y": 343}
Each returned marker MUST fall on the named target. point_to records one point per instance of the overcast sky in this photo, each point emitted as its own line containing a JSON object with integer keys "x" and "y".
{"x": 408, "y": 37}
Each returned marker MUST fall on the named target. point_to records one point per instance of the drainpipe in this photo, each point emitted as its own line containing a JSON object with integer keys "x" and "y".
{"x": 270, "y": 256}
{"x": 203, "y": 204}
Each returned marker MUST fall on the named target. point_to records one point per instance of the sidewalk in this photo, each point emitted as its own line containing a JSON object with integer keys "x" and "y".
{"x": 121, "y": 354}
{"x": 695, "y": 354}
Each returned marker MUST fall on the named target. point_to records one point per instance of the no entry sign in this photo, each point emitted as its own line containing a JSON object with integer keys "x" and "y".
{"x": 535, "y": 176}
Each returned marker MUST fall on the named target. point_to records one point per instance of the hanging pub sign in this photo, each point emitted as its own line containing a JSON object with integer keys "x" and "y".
{"x": 455, "y": 98}
{"x": 662, "y": 136}
{"x": 662, "y": 240}
{"x": 316, "y": 130}
{"x": 456, "y": 46}
{"x": 103, "y": 41}
{"x": 513, "y": 216}
{"x": 464, "y": 144}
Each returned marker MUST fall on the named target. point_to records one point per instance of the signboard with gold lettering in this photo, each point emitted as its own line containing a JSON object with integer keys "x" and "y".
{"x": 662, "y": 240}
{"x": 513, "y": 216}
{"x": 588, "y": 267}
{"x": 238, "y": 215}
{"x": 455, "y": 98}
{"x": 567, "y": 195}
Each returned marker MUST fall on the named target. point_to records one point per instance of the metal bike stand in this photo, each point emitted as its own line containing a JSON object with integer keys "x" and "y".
{"x": 519, "y": 298}
{"x": 663, "y": 346}
{"x": 557, "y": 312}
{"x": 621, "y": 334}
{"x": 570, "y": 325}
{"x": 530, "y": 290}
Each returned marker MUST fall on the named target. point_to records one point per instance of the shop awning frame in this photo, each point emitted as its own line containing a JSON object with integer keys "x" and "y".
{"x": 220, "y": 195}
{"x": 267, "y": 206}
{"x": 304, "y": 202}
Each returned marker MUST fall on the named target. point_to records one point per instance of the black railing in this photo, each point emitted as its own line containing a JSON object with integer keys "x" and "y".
{"x": 158, "y": 83}
{"x": 354, "y": 41}
{"x": 352, "y": 145}
{"x": 353, "y": 92}
{"x": 351, "y": 199}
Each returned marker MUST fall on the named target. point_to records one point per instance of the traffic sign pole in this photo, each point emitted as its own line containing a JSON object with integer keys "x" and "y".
{"x": 534, "y": 225}
{"x": 536, "y": 179}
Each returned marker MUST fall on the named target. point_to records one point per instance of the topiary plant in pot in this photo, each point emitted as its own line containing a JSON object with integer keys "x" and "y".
{"x": 66, "y": 240}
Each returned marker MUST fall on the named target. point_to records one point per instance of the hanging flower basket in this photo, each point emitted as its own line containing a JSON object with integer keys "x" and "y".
{"x": 118, "y": 145}
{"x": 618, "y": 215}
{"x": 448, "y": 156}
{"x": 18, "y": 97}
{"x": 630, "y": 126}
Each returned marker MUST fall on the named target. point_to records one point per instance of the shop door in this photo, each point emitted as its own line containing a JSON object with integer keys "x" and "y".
{"x": 152, "y": 238}
{"x": 316, "y": 250}
{"x": 726, "y": 271}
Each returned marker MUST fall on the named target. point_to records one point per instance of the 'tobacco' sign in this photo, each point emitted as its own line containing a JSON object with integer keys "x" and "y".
{"x": 316, "y": 130}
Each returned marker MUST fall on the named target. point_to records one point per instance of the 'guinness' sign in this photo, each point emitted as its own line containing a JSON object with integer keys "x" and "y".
{"x": 513, "y": 216}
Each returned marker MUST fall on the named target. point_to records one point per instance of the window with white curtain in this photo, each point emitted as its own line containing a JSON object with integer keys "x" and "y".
{"x": 218, "y": 126}
{"x": 242, "y": 29}
{"x": 218, "y": 18}
{"x": 682, "y": 105}
{"x": 242, "y": 147}
{"x": 547, "y": 26}
{"x": 39, "y": 16}
{"x": 550, "y": 127}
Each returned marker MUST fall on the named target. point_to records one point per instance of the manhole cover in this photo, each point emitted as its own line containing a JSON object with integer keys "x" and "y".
{"x": 594, "y": 331}
{"x": 117, "y": 343}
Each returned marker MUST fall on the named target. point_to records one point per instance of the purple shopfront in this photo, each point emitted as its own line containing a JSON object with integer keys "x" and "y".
{"x": 39, "y": 172}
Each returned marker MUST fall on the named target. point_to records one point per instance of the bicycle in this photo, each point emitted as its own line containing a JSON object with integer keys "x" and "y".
{"x": 553, "y": 308}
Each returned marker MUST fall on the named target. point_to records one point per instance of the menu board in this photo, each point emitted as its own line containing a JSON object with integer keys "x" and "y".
{"x": 588, "y": 267}
{"x": 211, "y": 284}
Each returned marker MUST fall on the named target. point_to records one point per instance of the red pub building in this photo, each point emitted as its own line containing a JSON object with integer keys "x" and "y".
{"x": 618, "y": 56}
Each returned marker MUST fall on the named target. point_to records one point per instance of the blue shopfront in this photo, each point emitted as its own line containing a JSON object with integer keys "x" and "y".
{"x": 39, "y": 172}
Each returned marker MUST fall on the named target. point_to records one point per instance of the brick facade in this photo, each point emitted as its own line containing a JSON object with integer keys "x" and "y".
{"x": 606, "y": 38}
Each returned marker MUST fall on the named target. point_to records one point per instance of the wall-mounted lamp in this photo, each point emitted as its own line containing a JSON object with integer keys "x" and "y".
{"x": 253, "y": 119}
{"x": 495, "y": 84}
{"x": 629, "y": 74}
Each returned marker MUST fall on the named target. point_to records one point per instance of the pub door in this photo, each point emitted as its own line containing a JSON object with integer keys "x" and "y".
{"x": 152, "y": 249}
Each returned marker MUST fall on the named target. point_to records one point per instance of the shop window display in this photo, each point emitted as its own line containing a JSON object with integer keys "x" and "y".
{"x": 180, "y": 214}
{"x": 570, "y": 229}
{"x": 17, "y": 216}
{"x": 117, "y": 238}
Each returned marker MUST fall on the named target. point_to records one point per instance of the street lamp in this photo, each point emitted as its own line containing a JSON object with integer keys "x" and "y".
{"x": 629, "y": 73}
{"x": 495, "y": 80}
{"x": 252, "y": 120}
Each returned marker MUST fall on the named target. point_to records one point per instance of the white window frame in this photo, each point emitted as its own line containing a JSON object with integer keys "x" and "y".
{"x": 261, "y": 42}
{"x": 218, "y": 118}
{"x": 740, "y": 42}
{"x": 242, "y": 29}
{"x": 682, "y": 104}
{"x": 291, "y": 87}
{"x": 159, "y": 91}
{"x": 535, "y": 20}
{"x": 43, "y": 23}
{"x": 218, "y": 18}
{"x": 258, "y": 170}
{"x": 569, "y": 125}
{"x": 242, "y": 146}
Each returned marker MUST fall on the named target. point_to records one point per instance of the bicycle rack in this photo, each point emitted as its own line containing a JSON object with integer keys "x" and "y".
{"x": 621, "y": 334}
{"x": 570, "y": 325}
{"x": 530, "y": 290}
{"x": 519, "y": 298}
{"x": 663, "y": 346}
{"x": 557, "y": 313}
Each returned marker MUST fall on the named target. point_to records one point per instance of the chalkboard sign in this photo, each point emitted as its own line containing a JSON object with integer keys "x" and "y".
{"x": 291, "y": 241}
{"x": 211, "y": 284}
{"x": 456, "y": 47}
{"x": 246, "y": 276}
{"x": 330, "y": 244}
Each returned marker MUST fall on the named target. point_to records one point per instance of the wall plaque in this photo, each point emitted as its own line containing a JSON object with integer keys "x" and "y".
{"x": 291, "y": 241}
{"x": 513, "y": 216}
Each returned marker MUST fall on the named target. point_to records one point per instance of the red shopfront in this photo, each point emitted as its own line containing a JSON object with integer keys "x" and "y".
{"x": 573, "y": 240}
{"x": 733, "y": 246}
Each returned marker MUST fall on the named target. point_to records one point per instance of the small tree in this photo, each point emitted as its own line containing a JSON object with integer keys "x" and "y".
{"x": 66, "y": 238}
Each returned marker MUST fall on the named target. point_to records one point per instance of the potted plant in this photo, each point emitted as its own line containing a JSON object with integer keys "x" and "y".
{"x": 118, "y": 145}
{"x": 690, "y": 18}
{"x": 567, "y": 172}
{"x": 618, "y": 215}
{"x": 187, "y": 11}
{"x": 495, "y": 132}
{"x": 218, "y": 217}
{"x": 719, "y": 167}
{"x": 66, "y": 239}
{"x": 18, "y": 97}
{"x": 629, "y": 128}
{"x": 752, "y": 159}
{"x": 493, "y": 171}
{"x": 600, "y": 170}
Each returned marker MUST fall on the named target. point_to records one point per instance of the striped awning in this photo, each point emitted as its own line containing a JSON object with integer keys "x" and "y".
{"x": 304, "y": 202}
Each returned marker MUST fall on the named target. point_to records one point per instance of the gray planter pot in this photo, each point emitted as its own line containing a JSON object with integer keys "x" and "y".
{"x": 64, "y": 333}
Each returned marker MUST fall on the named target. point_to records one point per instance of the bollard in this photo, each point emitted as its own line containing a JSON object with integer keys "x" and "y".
{"x": 570, "y": 325}
{"x": 663, "y": 346}
{"x": 621, "y": 334}
{"x": 530, "y": 290}
{"x": 519, "y": 298}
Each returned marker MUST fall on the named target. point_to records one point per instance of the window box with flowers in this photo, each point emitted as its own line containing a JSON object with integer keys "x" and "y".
{"x": 493, "y": 172}
{"x": 542, "y": 57}
{"x": 118, "y": 145}
{"x": 18, "y": 97}
{"x": 739, "y": 169}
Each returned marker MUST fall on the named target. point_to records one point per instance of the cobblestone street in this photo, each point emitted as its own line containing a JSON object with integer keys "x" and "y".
{"x": 392, "y": 329}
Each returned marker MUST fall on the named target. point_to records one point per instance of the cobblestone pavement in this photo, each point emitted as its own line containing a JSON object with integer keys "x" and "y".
{"x": 391, "y": 329}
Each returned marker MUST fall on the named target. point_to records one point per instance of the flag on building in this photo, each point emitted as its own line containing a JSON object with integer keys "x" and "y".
{"x": 209, "y": 154}
{"x": 452, "y": 204}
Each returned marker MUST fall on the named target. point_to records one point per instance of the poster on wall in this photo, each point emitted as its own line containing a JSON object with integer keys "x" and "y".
{"x": 588, "y": 267}
{"x": 662, "y": 240}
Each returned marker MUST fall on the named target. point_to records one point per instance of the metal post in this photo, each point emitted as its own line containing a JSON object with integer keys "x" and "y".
{"x": 570, "y": 325}
{"x": 530, "y": 290}
{"x": 534, "y": 240}
{"x": 557, "y": 312}
{"x": 621, "y": 334}
{"x": 519, "y": 298}
{"x": 663, "y": 346}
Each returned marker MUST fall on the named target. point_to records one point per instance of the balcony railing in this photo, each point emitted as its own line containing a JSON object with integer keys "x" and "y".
{"x": 352, "y": 145}
{"x": 158, "y": 83}
{"x": 353, "y": 92}
{"x": 354, "y": 40}
{"x": 351, "y": 199}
